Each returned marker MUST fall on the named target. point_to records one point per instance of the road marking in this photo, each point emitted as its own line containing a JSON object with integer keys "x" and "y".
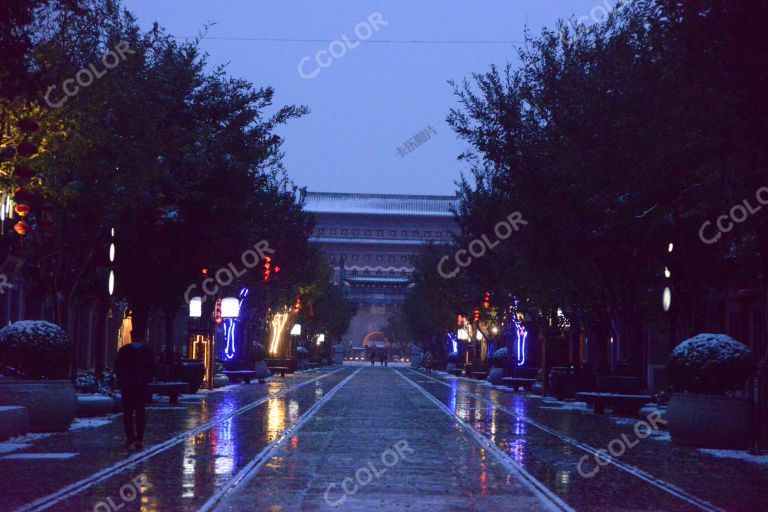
{"x": 254, "y": 466}
{"x": 550, "y": 500}
{"x": 632, "y": 470}
{"x": 54, "y": 498}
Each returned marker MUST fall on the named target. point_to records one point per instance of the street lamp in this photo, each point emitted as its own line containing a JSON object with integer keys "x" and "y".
{"x": 230, "y": 307}
{"x": 196, "y": 307}
{"x": 479, "y": 335}
{"x": 320, "y": 339}
{"x": 296, "y": 330}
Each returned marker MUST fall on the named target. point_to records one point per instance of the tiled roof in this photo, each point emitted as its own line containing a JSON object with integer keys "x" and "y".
{"x": 379, "y": 204}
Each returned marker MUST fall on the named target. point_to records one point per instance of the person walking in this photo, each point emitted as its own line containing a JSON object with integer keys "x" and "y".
{"x": 373, "y": 357}
{"x": 135, "y": 369}
{"x": 383, "y": 358}
{"x": 427, "y": 361}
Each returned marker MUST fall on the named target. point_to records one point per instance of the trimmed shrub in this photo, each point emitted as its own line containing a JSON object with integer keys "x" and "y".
{"x": 499, "y": 358}
{"x": 35, "y": 349}
{"x": 710, "y": 364}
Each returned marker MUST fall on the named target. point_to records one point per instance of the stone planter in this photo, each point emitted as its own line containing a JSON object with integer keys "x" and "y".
{"x": 495, "y": 376}
{"x": 191, "y": 371}
{"x": 219, "y": 380}
{"x": 94, "y": 405}
{"x": 14, "y": 421}
{"x": 52, "y": 404}
{"x": 710, "y": 421}
{"x": 563, "y": 382}
{"x": 262, "y": 372}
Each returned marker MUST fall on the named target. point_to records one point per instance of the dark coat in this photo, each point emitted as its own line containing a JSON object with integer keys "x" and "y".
{"x": 135, "y": 367}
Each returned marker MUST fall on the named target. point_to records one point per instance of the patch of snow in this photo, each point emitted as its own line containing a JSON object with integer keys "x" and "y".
{"x": 566, "y": 406}
{"x": 40, "y": 456}
{"x": 737, "y": 454}
{"x": 12, "y": 447}
{"x": 81, "y": 397}
{"x": 660, "y": 435}
{"x": 81, "y": 423}
{"x": 29, "y": 437}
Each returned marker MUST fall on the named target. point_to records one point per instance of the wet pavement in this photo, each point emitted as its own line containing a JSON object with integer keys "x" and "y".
{"x": 361, "y": 438}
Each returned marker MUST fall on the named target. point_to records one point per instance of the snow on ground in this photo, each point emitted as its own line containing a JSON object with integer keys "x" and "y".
{"x": 660, "y": 435}
{"x": 12, "y": 447}
{"x": 81, "y": 423}
{"x": 28, "y": 438}
{"x": 565, "y": 406}
{"x": 737, "y": 454}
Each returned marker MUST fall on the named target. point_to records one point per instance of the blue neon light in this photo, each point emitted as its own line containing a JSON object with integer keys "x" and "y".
{"x": 229, "y": 328}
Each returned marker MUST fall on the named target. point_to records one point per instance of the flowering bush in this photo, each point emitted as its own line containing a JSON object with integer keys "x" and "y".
{"x": 499, "y": 358}
{"x": 710, "y": 364}
{"x": 35, "y": 349}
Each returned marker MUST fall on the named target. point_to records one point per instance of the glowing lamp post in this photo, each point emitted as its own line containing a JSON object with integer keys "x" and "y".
{"x": 196, "y": 307}
{"x": 295, "y": 331}
{"x": 230, "y": 307}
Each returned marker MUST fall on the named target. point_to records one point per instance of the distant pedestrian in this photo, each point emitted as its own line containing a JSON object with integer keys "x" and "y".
{"x": 427, "y": 361}
{"x": 383, "y": 359}
{"x": 135, "y": 369}
{"x": 373, "y": 357}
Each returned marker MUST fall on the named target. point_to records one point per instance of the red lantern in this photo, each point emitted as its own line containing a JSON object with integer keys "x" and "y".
{"x": 21, "y": 228}
{"x": 22, "y": 209}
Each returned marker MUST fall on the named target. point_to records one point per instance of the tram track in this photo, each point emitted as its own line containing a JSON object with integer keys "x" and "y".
{"x": 256, "y": 463}
{"x": 550, "y": 500}
{"x": 635, "y": 472}
{"x": 66, "y": 492}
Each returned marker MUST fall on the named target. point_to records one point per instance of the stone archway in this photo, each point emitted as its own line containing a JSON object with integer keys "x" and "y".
{"x": 375, "y": 339}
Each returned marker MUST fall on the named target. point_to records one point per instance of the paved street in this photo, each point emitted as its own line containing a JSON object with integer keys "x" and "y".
{"x": 361, "y": 438}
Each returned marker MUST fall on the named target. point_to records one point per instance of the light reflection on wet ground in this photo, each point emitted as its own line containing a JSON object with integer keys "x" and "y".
{"x": 180, "y": 477}
{"x": 553, "y": 461}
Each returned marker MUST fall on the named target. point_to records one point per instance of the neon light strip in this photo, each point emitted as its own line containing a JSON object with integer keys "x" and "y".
{"x": 278, "y": 324}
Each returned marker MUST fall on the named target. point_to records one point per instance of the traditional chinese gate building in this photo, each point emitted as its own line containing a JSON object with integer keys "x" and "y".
{"x": 372, "y": 241}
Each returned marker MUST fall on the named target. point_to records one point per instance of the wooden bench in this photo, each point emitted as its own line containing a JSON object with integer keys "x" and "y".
{"x": 170, "y": 389}
{"x": 456, "y": 371}
{"x": 278, "y": 369}
{"x": 481, "y": 375}
{"x": 236, "y": 375}
{"x": 629, "y": 405}
{"x": 518, "y": 382}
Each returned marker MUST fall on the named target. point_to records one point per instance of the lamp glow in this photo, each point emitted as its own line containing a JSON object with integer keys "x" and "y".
{"x": 666, "y": 299}
{"x": 111, "y": 252}
{"x": 494, "y": 330}
{"x": 111, "y": 283}
{"x": 670, "y": 247}
{"x": 667, "y": 273}
{"x": 296, "y": 330}
{"x": 195, "y": 307}
{"x": 462, "y": 334}
{"x": 230, "y": 307}
{"x": 278, "y": 324}
{"x": 479, "y": 335}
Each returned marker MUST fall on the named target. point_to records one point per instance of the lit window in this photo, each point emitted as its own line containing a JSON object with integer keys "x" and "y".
{"x": 354, "y": 257}
{"x": 393, "y": 233}
{"x": 367, "y": 257}
{"x": 333, "y": 231}
{"x": 379, "y": 258}
{"x": 344, "y": 231}
{"x": 355, "y": 231}
{"x": 380, "y": 232}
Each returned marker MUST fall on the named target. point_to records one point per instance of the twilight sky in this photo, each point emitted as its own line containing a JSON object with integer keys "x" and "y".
{"x": 369, "y": 101}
